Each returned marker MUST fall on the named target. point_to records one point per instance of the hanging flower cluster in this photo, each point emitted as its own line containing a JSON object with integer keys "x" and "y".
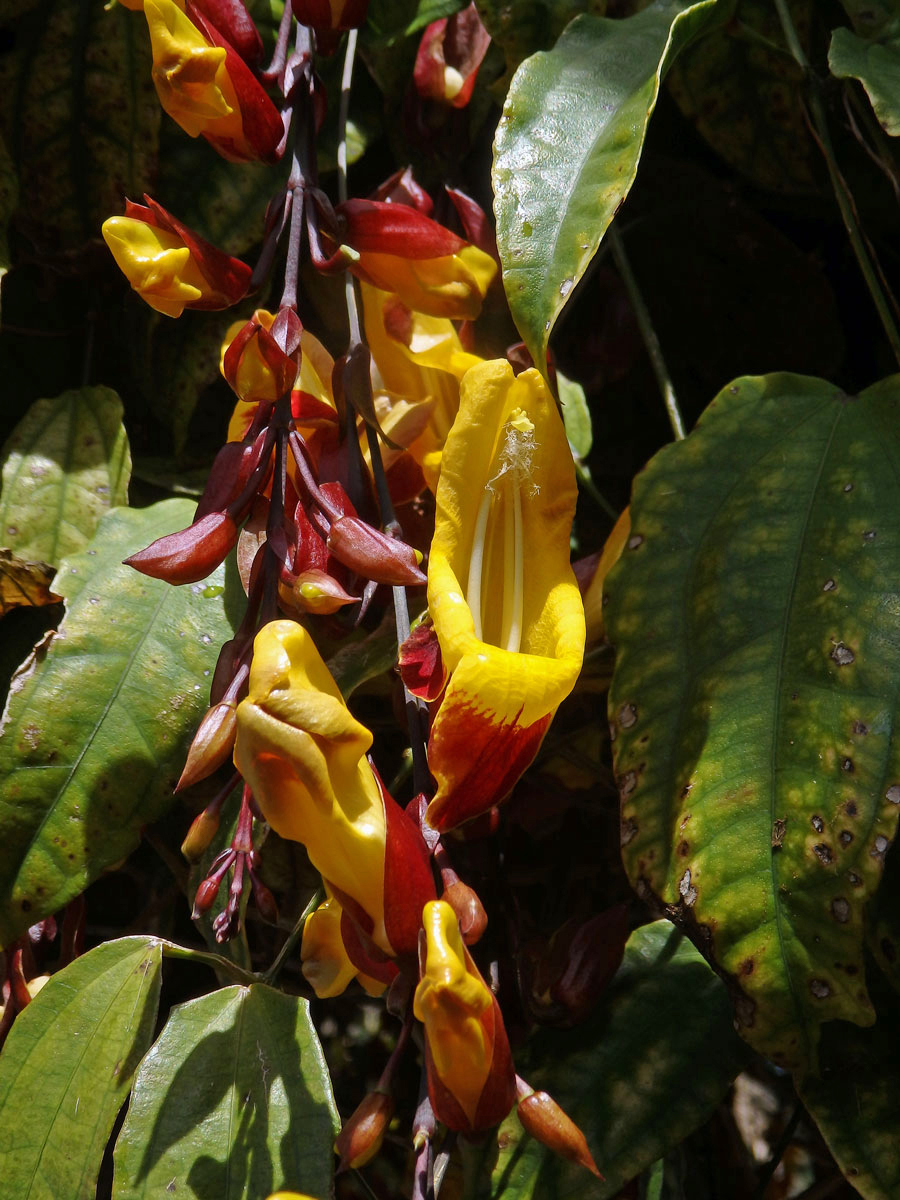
{"x": 318, "y": 454}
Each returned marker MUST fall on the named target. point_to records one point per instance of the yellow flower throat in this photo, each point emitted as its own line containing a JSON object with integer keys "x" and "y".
{"x": 495, "y": 587}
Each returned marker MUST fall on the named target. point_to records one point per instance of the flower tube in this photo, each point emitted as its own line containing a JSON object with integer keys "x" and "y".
{"x": 501, "y": 591}
{"x": 169, "y": 265}
{"x": 207, "y": 88}
{"x": 399, "y": 249}
{"x": 304, "y": 756}
{"x": 471, "y": 1080}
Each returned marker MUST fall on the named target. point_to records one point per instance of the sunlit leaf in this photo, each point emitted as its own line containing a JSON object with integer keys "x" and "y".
{"x": 65, "y": 464}
{"x": 568, "y": 145}
{"x": 67, "y": 1066}
{"x": 81, "y": 116}
{"x": 576, "y": 415}
{"x": 97, "y": 724}
{"x": 642, "y": 1074}
{"x": 232, "y": 1101}
{"x": 24, "y": 583}
{"x": 757, "y": 627}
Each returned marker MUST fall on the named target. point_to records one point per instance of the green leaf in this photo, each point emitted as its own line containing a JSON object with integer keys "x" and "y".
{"x": 755, "y": 692}
{"x": 567, "y": 149}
{"x": 576, "y": 415}
{"x": 743, "y": 91}
{"x": 854, "y": 1101}
{"x": 96, "y": 726}
{"x": 81, "y": 115}
{"x": 233, "y": 1101}
{"x": 524, "y": 28}
{"x": 871, "y": 17}
{"x": 645, "y": 1072}
{"x": 67, "y": 1066}
{"x": 65, "y": 464}
{"x": 876, "y": 64}
{"x": 390, "y": 20}
{"x": 365, "y": 658}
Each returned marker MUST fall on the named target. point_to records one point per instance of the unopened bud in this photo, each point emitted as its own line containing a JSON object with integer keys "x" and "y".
{"x": 373, "y": 554}
{"x": 189, "y": 555}
{"x": 201, "y": 833}
{"x": 265, "y": 901}
{"x": 212, "y": 745}
{"x": 206, "y": 896}
{"x": 542, "y": 1117}
{"x": 362, "y": 1134}
{"x": 421, "y": 664}
{"x": 469, "y": 911}
{"x": 316, "y": 592}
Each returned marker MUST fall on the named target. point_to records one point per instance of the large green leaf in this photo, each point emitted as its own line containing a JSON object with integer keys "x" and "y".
{"x": 854, "y": 1101}
{"x": 67, "y": 1066}
{"x": 66, "y": 463}
{"x": 645, "y": 1072}
{"x": 81, "y": 115}
{"x": 757, "y": 626}
{"x": 526, "y": 27}
{"x": 876, "y": 64}
{"x": 96, "y": 726}
{"x": 568, "y": 145}
{"x": 233, "y": 1101}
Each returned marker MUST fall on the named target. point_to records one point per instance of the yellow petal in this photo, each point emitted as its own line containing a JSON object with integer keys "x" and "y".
{"x": 156, "y": 263}
{"x": 501, "y": 590}
{"x": 453, "y": 285}
{"x": 450, "y": 998}
{"x": 304, "y": 756}
{"x": 326, "y": 966}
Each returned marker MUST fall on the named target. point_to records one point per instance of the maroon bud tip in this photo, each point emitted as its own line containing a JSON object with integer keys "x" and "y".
{"x": 206, "y": 897}
{"x": 543, "y": 1118}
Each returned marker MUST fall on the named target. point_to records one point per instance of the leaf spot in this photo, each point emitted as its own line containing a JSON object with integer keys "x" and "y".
{"x": 627, "y": 715}
{"x": 848, "y": 487}
{"x": 635, "y": 541}
{"x": 862, "y": 728}
{"x": 854, "y": 878}
{"x": 869, "y": 535}
{"x": 842, "y": 655}
{"x": 688, "y": 893}
{"x": 778, "y": 830}
{"x": 881, "y": 844}
{"x": 823, "y": 853}
{"x": 845, "y": 837}
{"x": 628, "y": 831}
{"x": 829, "y": 585}
{"x": 847, "y": 764}
{"x": 171, "y": 1185}
{"x": 840, "y": 909}
{"x": 819, "y": 989}
{"x": 817, "y": 823}
{"x": 893, "y": 793}
{"x": 627, "y": 784}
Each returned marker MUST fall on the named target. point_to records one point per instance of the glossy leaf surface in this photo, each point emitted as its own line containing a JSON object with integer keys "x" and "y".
{"x": 567, "y": 150}
{"x": 67, "y": 1066}
{"x": 96, "y": 726}
{"x": 753, "y": 706}
{"x": 640, "y": 1076}
{"x": 875, "y": 63}
{"x": 65, "y": 464}
{"x": 232, "y": 1101}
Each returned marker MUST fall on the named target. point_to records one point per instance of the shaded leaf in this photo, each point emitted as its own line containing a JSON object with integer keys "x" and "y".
{"x": 567, "y": 150}
{"x": 66, "y": 463}
{"x": 233, "y": 1100}
{"x": 96, "y": 726}
{"x": 876, "y": 64}
{"x": 67, "y": 1066}
{"x": 854, "y": 1101}
{"x": 24, "y": 583}
{"x": 640, "y": 1076}
{"x": 358, "y": 661}
{"x": 390, "y": 20}
{"x": 524, "y": 28}
{"x": 871, "y": 17}
{"x": 754, "y": 695}
{"x": 81, "y": 115}
{"x": 766, "y": 139}
{"x": 576, "y": 415}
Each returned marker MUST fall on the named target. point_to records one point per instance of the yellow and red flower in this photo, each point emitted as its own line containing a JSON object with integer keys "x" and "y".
{"x": 304, "y": 756}
{"x": 501, "y": 591}
{"x": 450, "y": 54}
{"x": 207, "y": 88}
{"x": 169, "y": 265}
{"x": 399, "y": 249}
{"x": 471, "y": 1079}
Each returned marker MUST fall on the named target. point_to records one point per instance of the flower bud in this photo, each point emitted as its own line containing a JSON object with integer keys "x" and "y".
{"x": 362, "y": 1134}
{"x": 450, "y": 53}
{"x": 212, "y": 744}
{"x": 189, "y": 555}
{"x": 373, "y": 554}
{"x": 542, "y": 1117}
{"x": 206, "y": 896}
{"x": 202, "y": 831}
{"x": 469, "y": 911}
{"x": 316, "y": 592}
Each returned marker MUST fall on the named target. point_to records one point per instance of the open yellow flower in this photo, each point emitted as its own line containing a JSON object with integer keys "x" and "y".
{"x": 501, "y": 591}
{"x": 471, "y": 1080}
{"x": 420, "y": 361}
{"x": 327, "y": 967}
{"x": 303, "y": 754}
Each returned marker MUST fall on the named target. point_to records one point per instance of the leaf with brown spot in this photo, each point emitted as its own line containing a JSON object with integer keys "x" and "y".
{"x": 754, "y": 684}
{"x": 24, "y": 584}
